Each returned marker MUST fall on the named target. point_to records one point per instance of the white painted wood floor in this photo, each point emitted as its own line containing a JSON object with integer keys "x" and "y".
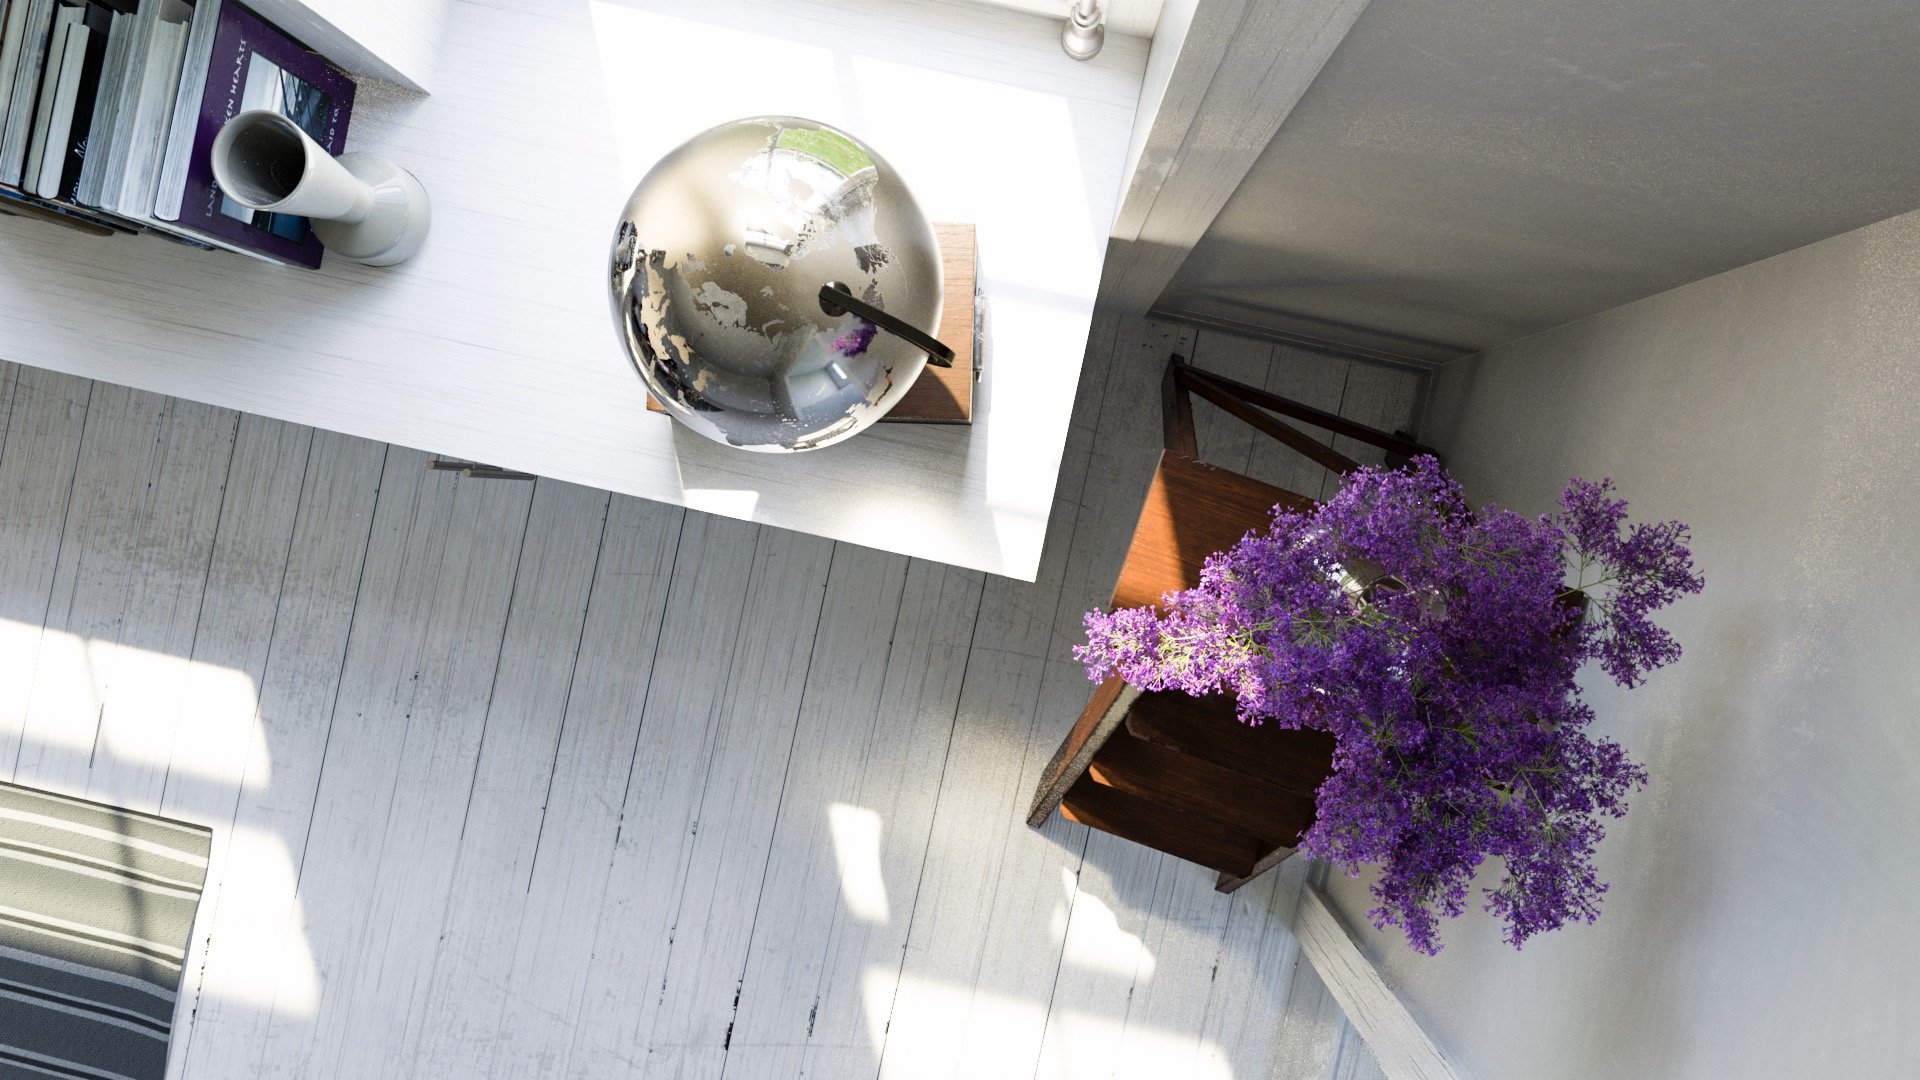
{"x": 525, "y": 780}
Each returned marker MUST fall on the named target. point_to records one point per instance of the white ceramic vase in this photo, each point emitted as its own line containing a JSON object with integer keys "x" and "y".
{"x": 362, "y": 206}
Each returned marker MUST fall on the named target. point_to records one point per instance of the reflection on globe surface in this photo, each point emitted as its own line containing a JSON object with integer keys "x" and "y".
{"x": 717, "y": 265}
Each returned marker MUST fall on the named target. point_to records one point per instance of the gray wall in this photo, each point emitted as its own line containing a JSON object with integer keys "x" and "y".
{"x": 1766, "y": 888}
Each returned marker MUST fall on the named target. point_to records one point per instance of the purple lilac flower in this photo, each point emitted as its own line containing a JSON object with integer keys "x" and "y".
{"x": 1439, "y": 645}
{"x": 855, "y": 341}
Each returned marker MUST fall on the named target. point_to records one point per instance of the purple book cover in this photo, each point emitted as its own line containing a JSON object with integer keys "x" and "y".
{"x": 255, "y": 66}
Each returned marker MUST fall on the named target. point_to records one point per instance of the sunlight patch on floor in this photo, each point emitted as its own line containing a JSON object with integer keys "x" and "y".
{"x": 95, "y": 697}
{"x": 991, "y": 1035}
{"x": 258, "y": 953}
{"x": 856, "y": 851}
{"x": 1090, "y": 935}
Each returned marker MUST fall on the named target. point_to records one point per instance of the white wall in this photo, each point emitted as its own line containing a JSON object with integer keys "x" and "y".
{"x": 1135, "y": 17}
{"x": 1765, "y": 886}
{"x": 394, "y": 40}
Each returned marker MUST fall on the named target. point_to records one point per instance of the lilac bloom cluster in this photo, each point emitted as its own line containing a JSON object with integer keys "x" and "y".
{"x": 1439, "y": 645}
{"x": 855, "y": 341}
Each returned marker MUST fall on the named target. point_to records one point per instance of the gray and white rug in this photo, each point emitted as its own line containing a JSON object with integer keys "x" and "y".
{"x": 96, "y": 908}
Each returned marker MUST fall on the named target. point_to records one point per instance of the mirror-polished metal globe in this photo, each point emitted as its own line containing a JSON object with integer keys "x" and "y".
{"x": 717, "y": 267}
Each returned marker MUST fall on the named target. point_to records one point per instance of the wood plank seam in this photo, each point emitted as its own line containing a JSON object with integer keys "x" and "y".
{"x": 1084, "y": 527}
{"x": 872, "y": 717}
{"x": 505, "y": 624}
{"x": 190, "y": 994}
{"x": 333, "y": 705}
{"x": 718, "y": 706}
{"x": 785, "y": 776}
{"x": 674, "y": 567}
{"x": 59, "y": 543}
{"x": 946, "y": 761}
{"x": 213, "y": 546}
{"x": 566, "y": 703}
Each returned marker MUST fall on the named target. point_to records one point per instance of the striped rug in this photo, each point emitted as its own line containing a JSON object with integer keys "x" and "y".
{"x": 96, "y": 907}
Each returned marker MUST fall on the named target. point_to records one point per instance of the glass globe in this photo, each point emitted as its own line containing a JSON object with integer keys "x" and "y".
{"x": 716, "y": 271}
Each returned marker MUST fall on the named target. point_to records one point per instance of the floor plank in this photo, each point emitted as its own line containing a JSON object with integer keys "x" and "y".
{"x": 1247, "y": 992}
{"x": 143, "y": 703}
{"x": 46, "y": 416}
{"x": 1165, "y": 1031}
{"x": 638, "y": 909}
{"x": 413, "y": 693}
{"x": 900, "y": 780}
{"x": 823, "y": 862}
{"x": 255, "y": 956}
{"x": 452, "y": 1013}
{"x": 739, "y": 804}
{"x": 1104, "y": 960}
{"x": 139, "y": 532}
{"x": 553, "y": 948}
{"x": 98, "y": 547}
{"x": 214, "y": 696}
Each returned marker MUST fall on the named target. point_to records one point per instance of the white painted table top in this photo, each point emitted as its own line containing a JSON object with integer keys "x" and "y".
{"x": 495, "y": 344}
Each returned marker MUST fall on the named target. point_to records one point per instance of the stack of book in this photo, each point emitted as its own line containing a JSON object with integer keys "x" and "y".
{"x": 108, "y": 109}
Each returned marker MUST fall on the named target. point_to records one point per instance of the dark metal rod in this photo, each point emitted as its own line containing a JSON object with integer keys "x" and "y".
{"x": 478, "y": 471}
{"x": 1339, "y": 425}
{"x": 836, "y": 300}
{"x": 1326, "y": 456}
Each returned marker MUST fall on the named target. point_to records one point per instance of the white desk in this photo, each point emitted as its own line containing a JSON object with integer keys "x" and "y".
{"x": 496, "y": 345}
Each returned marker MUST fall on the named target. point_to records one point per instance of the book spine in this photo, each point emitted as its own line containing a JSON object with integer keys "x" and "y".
{"x": 13, "y": 28}
{"x": 73, "y": 62}
{"x": 26, "y": 80}
{"x": 135, "y": 195}
{"x": 100, "y": 125}
{"x": 126, "y": 117}
{"x": 99, "y": 22}
{"x": 172, "y": 183}
{"x": 63, "y": 18}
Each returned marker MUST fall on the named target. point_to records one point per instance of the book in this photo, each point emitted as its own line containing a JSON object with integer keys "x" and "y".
{"x": 105, "y": 137}
{"x": 72, "y": 130}
{"x": 116, "y": 131}
{"x": 7, "y": 58}
{"x": 13, "y": 34}
{"x": 105, "y": 103}
{"x": 171, "y": 182}
{"x": 65, "y": 17}
{"x": 36, "y": 31}
{"x": 137, "y": 140}
{"x": 255, "y": 66}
